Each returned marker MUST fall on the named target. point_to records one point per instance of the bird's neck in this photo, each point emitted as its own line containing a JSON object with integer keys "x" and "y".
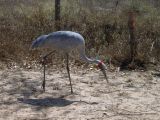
{"x": 89, "y": 60}
{"x": 85, "y": 58}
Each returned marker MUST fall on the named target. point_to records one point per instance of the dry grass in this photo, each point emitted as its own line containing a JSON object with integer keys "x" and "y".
{"x": 24, "y": 21}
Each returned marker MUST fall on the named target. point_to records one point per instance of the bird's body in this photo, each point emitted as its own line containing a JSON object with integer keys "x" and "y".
{"x": 66, "y": 41}
{"x": 60, "y": 40}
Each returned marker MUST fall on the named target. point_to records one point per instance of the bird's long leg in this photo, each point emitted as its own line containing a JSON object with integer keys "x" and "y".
{"x": 68, "y": 71}
{"x": 44, "y": 69}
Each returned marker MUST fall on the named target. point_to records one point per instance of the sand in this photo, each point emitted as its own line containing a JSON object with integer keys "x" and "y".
{"x": 132, "y": 95}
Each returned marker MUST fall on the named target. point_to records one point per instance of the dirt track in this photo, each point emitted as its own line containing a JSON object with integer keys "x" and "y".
{"x": 132, "y": 95}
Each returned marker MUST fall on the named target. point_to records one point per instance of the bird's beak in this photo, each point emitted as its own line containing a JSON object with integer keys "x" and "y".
{"x": 103, "y": 69}
{"x": 104, "y": 73}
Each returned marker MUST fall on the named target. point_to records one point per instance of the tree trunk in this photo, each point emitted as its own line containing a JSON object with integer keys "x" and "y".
{"x": 132, "y": 40}
{"x": 57, "y": 15}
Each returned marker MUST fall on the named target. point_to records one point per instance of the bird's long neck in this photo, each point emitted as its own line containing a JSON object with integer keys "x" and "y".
{"x": 85, "y": 58}
{"x": 89, "y": 60}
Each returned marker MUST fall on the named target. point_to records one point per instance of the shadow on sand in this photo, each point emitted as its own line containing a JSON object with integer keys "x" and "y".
{"x": 46, "y": 102}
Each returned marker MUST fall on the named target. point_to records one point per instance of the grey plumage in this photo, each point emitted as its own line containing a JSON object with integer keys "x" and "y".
{"x": 61, "y": 40}
{"x": 66, "y": 41}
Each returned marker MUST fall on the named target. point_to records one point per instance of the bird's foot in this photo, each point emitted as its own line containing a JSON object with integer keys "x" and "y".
{"x": 72, "y": 92}
{"x": 43, "y": 87}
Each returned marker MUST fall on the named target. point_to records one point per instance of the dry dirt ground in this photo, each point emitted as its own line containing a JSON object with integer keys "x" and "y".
{"x": 132, "y": 95}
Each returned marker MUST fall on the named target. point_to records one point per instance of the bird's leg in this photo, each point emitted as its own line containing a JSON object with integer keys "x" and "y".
{"x": 67, "y": 67}
{"x": 44, "y": 57}
{"x": 44, "y": 69}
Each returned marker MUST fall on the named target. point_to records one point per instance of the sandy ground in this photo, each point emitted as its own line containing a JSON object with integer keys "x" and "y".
{"x": 133, "y": 95}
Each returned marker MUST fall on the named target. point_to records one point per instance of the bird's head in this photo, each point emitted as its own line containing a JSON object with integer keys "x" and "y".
{"x": 101, "y": 65}
{"x": 39, "y": 42}
{"x": 103, "y": 68}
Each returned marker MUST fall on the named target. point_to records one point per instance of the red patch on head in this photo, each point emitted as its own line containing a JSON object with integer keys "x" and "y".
{"x": 100, "y": 63}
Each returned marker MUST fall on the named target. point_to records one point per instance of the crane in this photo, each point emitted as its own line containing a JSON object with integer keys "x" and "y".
{"x": 66, "y": 41}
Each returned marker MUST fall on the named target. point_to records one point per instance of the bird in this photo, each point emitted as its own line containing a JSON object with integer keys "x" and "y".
{"x": 66, "y": 41}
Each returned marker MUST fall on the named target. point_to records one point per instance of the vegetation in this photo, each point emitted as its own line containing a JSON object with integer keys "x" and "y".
{"x": 104, "y": 25}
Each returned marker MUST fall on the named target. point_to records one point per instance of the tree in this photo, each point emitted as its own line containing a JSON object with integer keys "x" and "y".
{"x": 57, "y": 14}
{"x": 132, "y": 39}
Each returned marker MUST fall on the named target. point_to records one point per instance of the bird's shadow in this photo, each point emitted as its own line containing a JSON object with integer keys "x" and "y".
{"x": 46, "y": 102}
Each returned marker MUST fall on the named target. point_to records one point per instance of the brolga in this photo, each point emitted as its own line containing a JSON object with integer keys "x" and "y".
{"x": 66, "y": 41}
